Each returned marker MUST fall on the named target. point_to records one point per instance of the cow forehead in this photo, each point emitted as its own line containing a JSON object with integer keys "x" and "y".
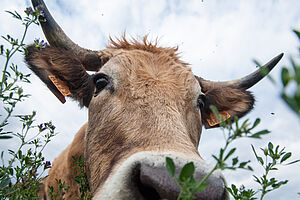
{"x": 142, "y": 70}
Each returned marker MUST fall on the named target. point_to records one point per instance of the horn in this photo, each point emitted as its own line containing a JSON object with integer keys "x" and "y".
{"x": 57, "y": 38}
{"x": 247, "y": 81}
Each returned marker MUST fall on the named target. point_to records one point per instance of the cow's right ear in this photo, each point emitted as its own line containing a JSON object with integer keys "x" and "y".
{"x": 62, "y": 72}
{"x": 230, "y": 103}
{"x": 231, "y": 98}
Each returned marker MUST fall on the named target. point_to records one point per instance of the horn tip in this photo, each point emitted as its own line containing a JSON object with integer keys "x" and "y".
{"x": 272, "y": 63}
{"x": 280, "y": 56}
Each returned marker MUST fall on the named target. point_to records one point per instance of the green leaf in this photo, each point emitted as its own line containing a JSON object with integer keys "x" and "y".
{"x": 4, "y": 181}
{"x": 187, "y": 171}
{"x": 257, "y": 179}
{"x": 259, "y": 133}
{"x": 1, "y": 49}
{"x": 170, "y": 166}
{"x": 295, "y": 161}
{"x": 5, "y": 137}
{"x": 249, "y": 168}
{"x": 257, "y": 121}
{"x": 229, "y": 190}
{"x": 215, "y": 111}
{"x": 20, "y": 154}
{"x": 215, "y": 157}
{"x": 285, "y": 157}
{"x": 280, "y": 183}
{"x": 243, "y": 164}
{"x": 259, "y": 159}
{"x": 292, "y": 103}
{"x": 297, "y": 33}
{"x": 229, "y": 153}
{"x": 297, "y": 71}
{"x": 270, "y": 146}
{"x": 285, "y": 76}
{"x": 245, "y": 124}
{"x": 235, "y": 190}
{"x": 235, "y": 161}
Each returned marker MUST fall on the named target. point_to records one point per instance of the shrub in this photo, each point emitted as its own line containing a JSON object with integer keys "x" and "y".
{"x": 22, "y": 169}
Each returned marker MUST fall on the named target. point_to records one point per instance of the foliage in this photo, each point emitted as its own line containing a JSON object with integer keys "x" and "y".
{"x": 10, "y": 92}
{"x": 21, "y": 174}
{"x": 290, "y": 79}
{"x": 21, "y": 177}
{"x": 81, "y": 179}
{"x": 291, "y": 76}
{"x": 278, "y": 157}
{"x": 60, "y": 192}
{"x": 189, "y": 186}
{"x": 186, "y": 182}
{"x": 21, "y": 171}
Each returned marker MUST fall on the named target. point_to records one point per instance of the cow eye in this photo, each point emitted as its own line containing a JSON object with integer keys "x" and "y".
{"x": 100, "y": 81}
{"x": 201, "y": 101}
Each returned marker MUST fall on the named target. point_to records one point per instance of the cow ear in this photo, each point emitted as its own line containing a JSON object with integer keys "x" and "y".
{"x": 230, "y": 102}
{"x": 62, "y": 72}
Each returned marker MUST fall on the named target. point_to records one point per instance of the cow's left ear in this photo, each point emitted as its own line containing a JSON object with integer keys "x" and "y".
{"x": 230, "y": 102}
{"x": 62, "y": 72}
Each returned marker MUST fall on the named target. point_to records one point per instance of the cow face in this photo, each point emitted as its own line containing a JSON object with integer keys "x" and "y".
{"x": 144, "y": 104}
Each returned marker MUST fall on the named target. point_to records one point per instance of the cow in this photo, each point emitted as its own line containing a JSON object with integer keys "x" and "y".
{"x": 144, "y": 104}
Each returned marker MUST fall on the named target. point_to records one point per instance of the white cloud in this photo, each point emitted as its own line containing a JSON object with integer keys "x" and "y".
{"x": 218, "y": 38}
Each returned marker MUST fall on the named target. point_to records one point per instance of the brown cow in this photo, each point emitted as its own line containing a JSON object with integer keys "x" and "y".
{"x": 144, "y": 104}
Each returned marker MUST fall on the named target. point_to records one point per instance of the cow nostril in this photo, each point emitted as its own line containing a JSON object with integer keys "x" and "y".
{"x": 155, "y": 183}
{"x": 147, "y": 191}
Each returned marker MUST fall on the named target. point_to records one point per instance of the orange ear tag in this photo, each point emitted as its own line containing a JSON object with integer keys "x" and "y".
{"x": 213, "y": 120}
{"x": 60, "y": 85}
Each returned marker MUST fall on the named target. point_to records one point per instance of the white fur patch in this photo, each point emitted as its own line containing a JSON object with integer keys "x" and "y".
{"x": 119, "y": 185}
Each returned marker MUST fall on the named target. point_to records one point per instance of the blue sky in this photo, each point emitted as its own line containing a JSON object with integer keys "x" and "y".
{"x": 218, "y": 38}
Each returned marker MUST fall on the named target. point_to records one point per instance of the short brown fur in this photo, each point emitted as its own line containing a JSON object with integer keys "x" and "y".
{"x": 153, "y": 107}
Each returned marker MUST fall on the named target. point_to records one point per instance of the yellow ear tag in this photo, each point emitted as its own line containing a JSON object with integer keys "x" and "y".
{"x": 60, "y": 85}
{"x": 213, "y": 120}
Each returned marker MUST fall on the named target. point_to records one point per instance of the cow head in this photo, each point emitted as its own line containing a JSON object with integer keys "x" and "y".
{"x": 144, "y": 104}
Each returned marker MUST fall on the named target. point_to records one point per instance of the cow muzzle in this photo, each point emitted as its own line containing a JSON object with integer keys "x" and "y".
{"x": 143, "y": 176}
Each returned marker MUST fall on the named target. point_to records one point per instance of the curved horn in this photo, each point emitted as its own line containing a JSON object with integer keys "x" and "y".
{"x": 57, "y": 38}
{"x": 249, "y": 80}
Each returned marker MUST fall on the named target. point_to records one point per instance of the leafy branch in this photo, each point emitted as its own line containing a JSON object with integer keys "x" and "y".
{"x": 186, "y": 182}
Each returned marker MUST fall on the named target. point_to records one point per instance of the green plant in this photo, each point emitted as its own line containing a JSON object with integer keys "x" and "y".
{"x": 10, "y": 92}
{"x": 81, "y": 179}
{"x": 273, "y": 158}
{"x": 232, "y": 132}
{"x": 60, "y": 192}
{"x": 22, "y": 169}
{"x": 186, "y": 182}
{"x": 21, "y": 177}
{"x": 188, "y": 186}
{"x": 289, "y": 76}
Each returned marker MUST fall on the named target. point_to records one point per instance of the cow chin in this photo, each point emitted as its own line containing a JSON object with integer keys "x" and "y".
{"x": 143, "y": 176}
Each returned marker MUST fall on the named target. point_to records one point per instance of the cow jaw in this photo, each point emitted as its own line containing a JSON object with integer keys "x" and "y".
{"x": 143, "y": 176}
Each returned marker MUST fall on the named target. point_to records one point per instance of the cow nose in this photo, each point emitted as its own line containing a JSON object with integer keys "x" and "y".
{"x": 155, "y": 183}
